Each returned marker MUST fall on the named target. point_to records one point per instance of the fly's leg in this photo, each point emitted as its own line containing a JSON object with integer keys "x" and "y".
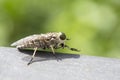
{"x": 73, "y": 49}
{"x": 35, "y": 49}
{"x": 52, "y": 49}
{"x": 54, "y": 52}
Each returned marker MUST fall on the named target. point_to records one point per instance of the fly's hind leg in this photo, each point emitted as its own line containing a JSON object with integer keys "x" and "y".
{"x": 35, "y": 49}
{"x": 73, "y": 49}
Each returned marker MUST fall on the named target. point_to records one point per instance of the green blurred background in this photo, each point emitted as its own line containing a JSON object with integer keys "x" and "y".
{"x": 92, "y": 25}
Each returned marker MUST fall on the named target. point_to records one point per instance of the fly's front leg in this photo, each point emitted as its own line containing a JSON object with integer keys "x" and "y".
{"x": 54, "y": 53}
{"x": 73, "y": 49}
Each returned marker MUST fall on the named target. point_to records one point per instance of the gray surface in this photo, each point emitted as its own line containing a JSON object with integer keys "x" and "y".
{"x": 13, "y": 66}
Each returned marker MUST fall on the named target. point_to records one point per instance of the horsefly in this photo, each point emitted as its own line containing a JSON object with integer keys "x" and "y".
{"x": 52, "y": 40}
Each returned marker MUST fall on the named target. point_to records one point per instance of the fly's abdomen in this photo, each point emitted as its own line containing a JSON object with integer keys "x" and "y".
{"x": 30, "y": 42}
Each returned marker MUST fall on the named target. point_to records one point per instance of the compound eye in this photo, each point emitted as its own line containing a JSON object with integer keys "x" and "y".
{"x": 63, "y": 36}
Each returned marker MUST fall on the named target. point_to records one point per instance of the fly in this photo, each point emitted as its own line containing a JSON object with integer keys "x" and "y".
{"x": 52, "y": 40}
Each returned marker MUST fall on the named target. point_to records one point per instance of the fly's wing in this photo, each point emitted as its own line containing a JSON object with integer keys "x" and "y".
{"x": 25, "y": 40}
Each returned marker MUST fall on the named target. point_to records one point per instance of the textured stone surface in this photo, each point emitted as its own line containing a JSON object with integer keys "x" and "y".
{"x": 13, "y": 66}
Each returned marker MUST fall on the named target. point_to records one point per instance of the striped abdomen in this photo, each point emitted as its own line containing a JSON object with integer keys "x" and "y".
{"x": 31, "y": 42}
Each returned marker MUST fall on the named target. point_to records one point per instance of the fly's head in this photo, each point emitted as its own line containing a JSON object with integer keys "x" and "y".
{"x": 62, "y": 39}
{"x": 58, "y": 39}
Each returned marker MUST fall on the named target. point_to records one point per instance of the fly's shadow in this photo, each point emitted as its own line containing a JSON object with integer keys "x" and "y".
{"x": 46, "y": 55}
